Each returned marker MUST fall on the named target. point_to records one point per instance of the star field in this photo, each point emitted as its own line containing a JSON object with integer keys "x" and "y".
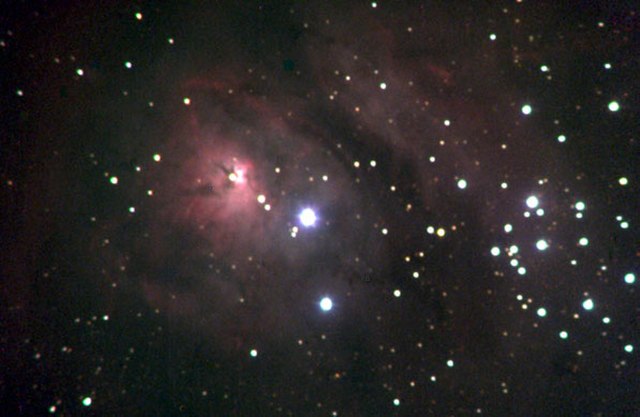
{"x": 320, "y": 209}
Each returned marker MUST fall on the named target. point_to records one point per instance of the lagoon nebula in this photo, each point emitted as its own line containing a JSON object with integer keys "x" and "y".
{"x": 319, "y": 209}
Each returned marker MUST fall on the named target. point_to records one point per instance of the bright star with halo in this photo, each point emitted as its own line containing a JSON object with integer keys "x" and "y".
{"x": 326, "y": 304}
{"x": 308, "y": 217}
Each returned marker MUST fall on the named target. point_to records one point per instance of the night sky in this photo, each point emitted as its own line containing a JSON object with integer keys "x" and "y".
{"x": 319, "y": 208}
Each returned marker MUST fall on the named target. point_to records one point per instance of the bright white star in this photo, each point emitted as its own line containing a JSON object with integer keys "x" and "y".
{"x": 307, "y": 217}
{"x": 326, "y": 304}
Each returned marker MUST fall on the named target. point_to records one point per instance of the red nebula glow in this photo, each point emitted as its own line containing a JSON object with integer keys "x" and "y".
{"x": 217, "y": 189}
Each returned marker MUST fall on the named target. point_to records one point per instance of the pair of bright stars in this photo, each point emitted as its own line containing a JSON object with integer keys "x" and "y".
{"x": 308, "y": 218}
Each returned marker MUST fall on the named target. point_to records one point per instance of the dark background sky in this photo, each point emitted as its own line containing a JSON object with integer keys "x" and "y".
{"x": 156, "y": 158}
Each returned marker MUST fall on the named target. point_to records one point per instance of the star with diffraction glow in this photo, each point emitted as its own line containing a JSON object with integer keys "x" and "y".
{"x": 307, "y": 217}
{"x": 326, "y": 304}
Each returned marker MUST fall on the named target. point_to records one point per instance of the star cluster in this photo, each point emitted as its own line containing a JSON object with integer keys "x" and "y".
{"x": 364, "y": 209}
